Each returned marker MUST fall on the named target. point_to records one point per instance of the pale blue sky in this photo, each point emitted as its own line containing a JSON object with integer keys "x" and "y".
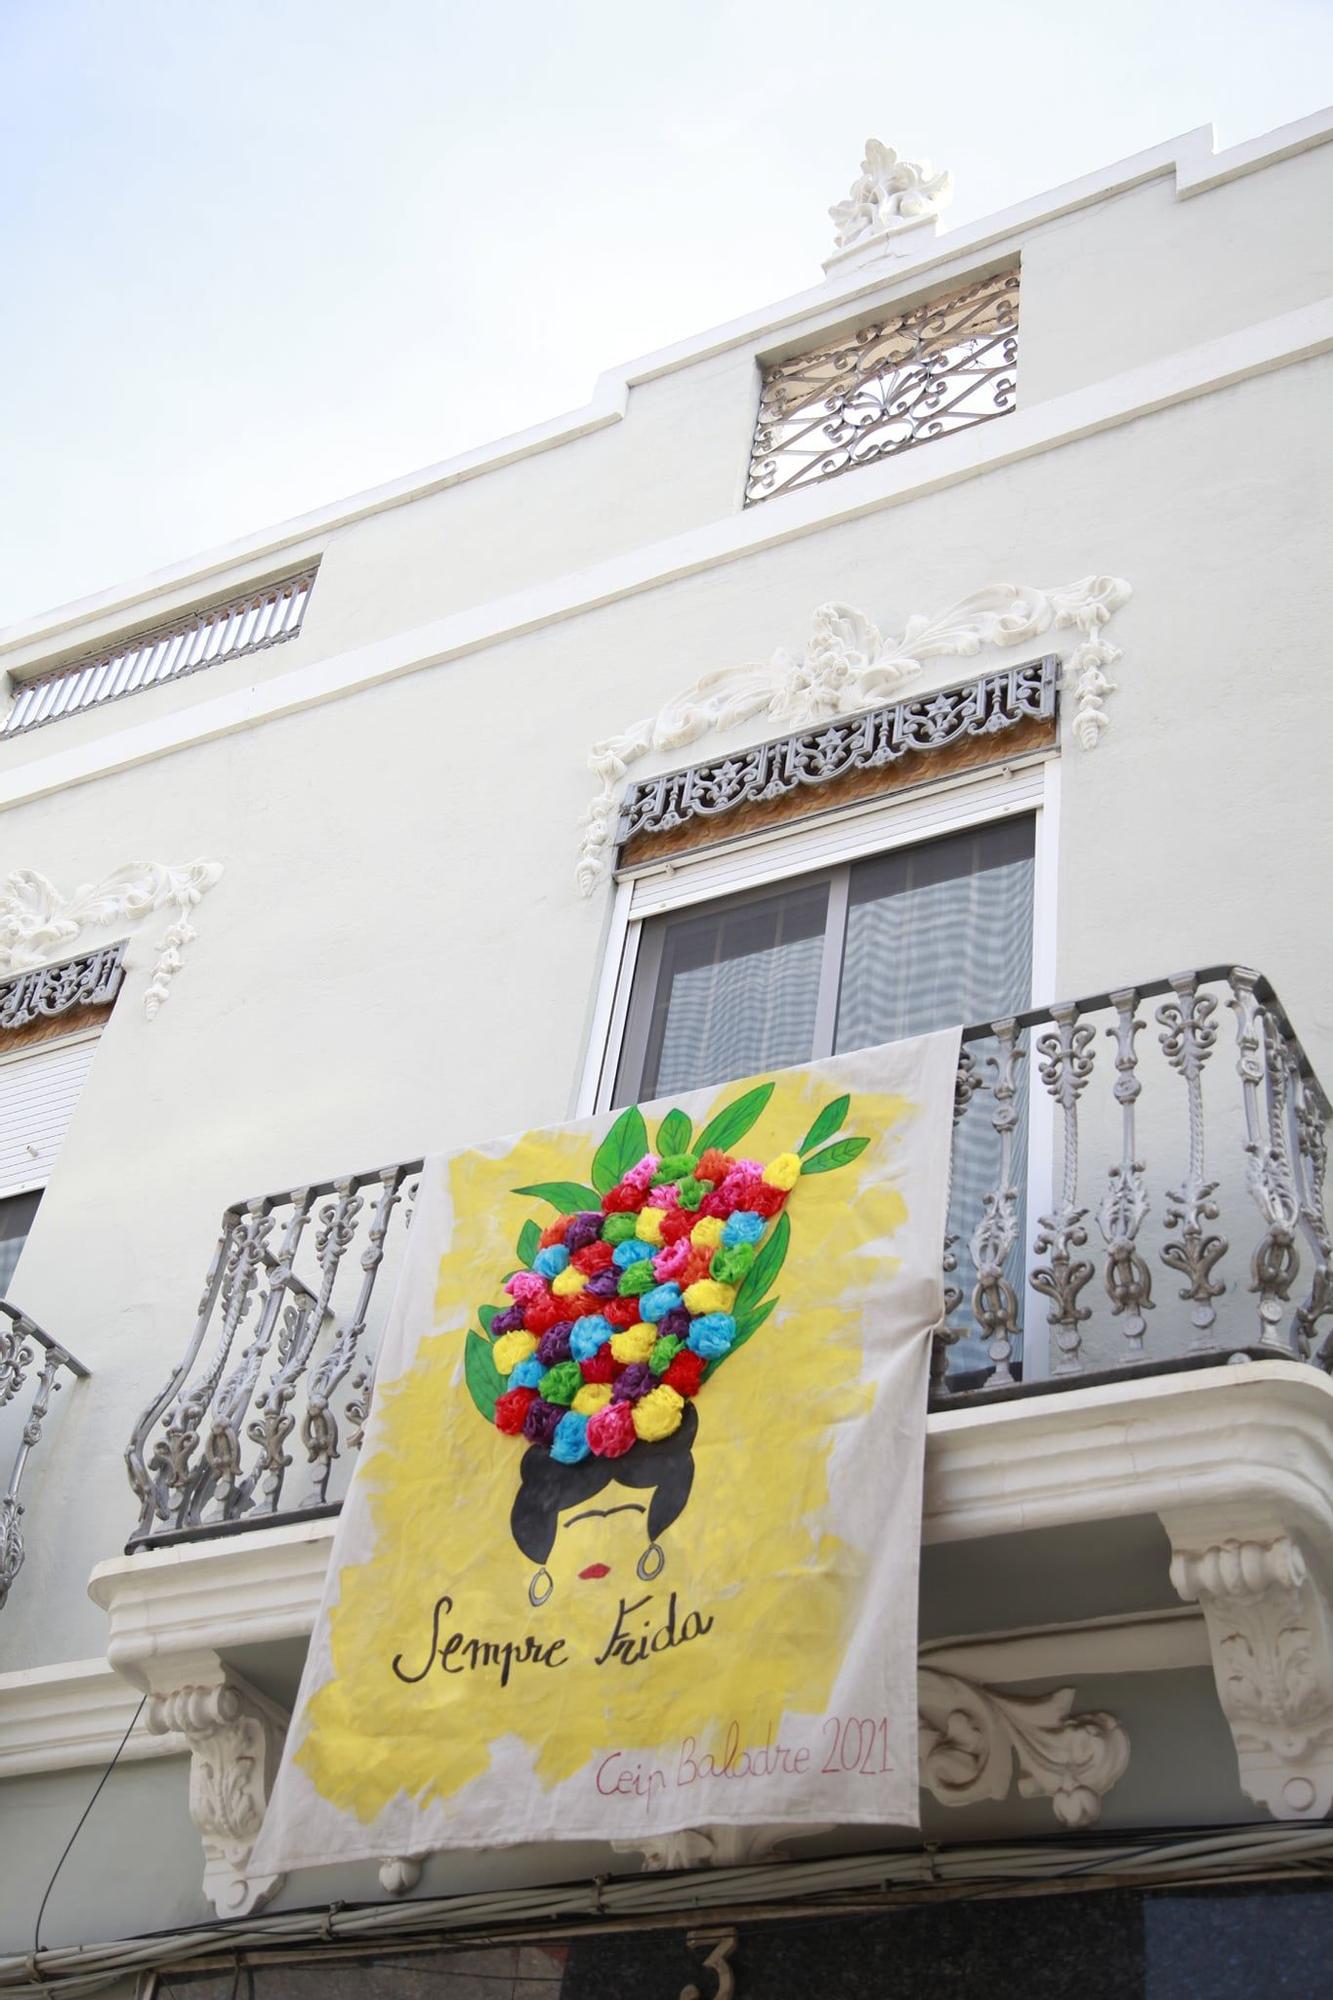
{"x": 260, "y": 254}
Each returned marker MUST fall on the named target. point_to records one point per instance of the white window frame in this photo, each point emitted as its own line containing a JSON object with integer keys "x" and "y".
{"x": 1028, "y": 786}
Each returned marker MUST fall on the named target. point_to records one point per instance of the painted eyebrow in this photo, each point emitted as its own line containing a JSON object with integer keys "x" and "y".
{"x": 601, "y": 1513}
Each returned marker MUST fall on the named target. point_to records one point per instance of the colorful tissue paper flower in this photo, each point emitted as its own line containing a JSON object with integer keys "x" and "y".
{"x": 509, "y": 1321}
{"x": 784, "y": 1172}
{"x": 686, "y": 1373}
{"x": 633, "y": 1382}
{"x": 584, "y": 1228}
{"x": 541, "y": 1420}
{"x": 569, "y": 1283}
{"x": 730, "y": 1266}
{"x": 674, "y": 1167}
{"x": 709, "y": 1297}
{"x": 511, "y": 1410}
{"x": 603, "y": 1284}
{"x": 510, "y": 1349}
{"x": 632, "y": 1251}
{"x": 707, "y": 1232}
{"x": 554, "y": 1232}
{"x": 711, "y": 1335}
{"x": 525, "y": 1285}
{"x": 551, "y": 1262}
{"x": 555, "y": 1343}
{"x": 582, "y": 1303}
{"x": 527, "y": 1375}
{"x": 767, "y": 1199}
{"x": 695, "y": 1268}
{"x": 669, "y": 1263}
{"x": 676, "y": 1326}
{"x": 659, "y": 1413}
{"x": 742, "y": 1227}
{"x": 611, "y": 1431}
{"x": 619, "y": 1228}
{"x": 691, "y": 1191}
{"x": 665, "y": 1350}
{"x": 592, "y": 1258}
{"x": 660, "y": 1301}
{"x": 641, "y": 1173}
{"x": 622, "y": 1312}
{"x": 592, "y": 1396}
{"x": 718, "y": 1203}
{"x": 676, "y": 1223}
{"x": 570, "y": 1443}
{"x": 562, "y": 1383}
{"x": 623, "y": 1199}
{"x": 600, "y": 1367}
{"x": 650, "y": 1226}
{"x": 639, "y": 1278}
{"x": 634, "y": 1344}
{"x": 588, "y": 1336}
{"x": 541, "y": 1314}
{"x": 666, "y": 1196}
{"x": 714, "y": 1166}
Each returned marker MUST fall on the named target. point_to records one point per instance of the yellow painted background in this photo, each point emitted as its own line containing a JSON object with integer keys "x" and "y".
{"x": 753, "y": 1548}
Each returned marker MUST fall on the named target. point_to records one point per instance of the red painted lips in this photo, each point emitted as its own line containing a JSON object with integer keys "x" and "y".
{"x": 595, "y": 1569}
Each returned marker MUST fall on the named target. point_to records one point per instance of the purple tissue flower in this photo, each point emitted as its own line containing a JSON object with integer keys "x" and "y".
{"x": 674, "y": 1325}
{"x": 554, "y": 1343}
{"x": 540, "y": 1422}
{"x": 604, "y": 1284}
{"x": 633, "y": 1382}
{"x": 583, "y": 1230}
{"x": 509, "y": 1321}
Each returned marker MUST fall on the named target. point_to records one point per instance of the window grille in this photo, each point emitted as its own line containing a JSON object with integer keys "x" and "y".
{"x": 197, "y": 639}
{"x": 898, "y": 382}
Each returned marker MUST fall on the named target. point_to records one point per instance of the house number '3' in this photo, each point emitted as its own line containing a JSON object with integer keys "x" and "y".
{"x": 718, "y": 1962}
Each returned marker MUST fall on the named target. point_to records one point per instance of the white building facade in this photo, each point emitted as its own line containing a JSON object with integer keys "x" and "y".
{"x": 938, "y": 645}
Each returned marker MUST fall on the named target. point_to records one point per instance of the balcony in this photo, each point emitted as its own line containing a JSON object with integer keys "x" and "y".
{"x": 1066, "y": 1264}
{"x": 21, "y": 1341}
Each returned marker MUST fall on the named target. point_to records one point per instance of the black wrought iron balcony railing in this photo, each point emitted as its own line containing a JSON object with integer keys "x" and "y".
{"x": 1056, "y": 1273}
{"x": 21, "y": 1341}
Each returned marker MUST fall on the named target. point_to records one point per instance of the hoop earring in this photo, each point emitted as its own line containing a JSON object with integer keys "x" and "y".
{"x": 541, "y": 1586}
{"x": 651, "y": 1563}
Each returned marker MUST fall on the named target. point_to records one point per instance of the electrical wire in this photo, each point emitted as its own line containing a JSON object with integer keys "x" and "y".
{"x": 37, "y": 1927}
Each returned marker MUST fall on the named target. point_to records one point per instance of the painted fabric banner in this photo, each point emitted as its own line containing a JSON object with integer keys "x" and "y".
{"x": 633, "y": 1541}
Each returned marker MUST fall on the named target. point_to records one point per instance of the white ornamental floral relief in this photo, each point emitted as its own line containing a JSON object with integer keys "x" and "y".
{"x": 38, "y": 923}
{"x": 847, "y": 666}
{"x": 889, "y": 194}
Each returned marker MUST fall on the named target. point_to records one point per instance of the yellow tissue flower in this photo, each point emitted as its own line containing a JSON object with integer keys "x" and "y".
{"x": 649, "y": 1228}
{"x": 635, "y": 1343}
{"x": 568, "y": 1282}
{"x": 592, "y": 1396}
{"x": 784, "y": 1172}
{"x": 707, "y": 1296}
{"x": 658, "y": 1414}
{"x": 707, "y": 1232}
{"x": 510, "y": 1349}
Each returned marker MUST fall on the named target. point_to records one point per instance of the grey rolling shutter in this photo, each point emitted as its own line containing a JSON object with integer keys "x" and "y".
{"x": 38, "y": 1093}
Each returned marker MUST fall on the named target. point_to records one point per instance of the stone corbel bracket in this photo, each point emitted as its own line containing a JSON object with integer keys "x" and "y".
{"x": 235, "y": 1737}
{"x": 1270, "y": 1630}
{"x": 847, "y": 666}
{"x": 38, "y": 922}
{"x": 973, "y": 1738}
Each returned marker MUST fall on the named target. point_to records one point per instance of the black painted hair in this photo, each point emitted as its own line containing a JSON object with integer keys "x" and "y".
{"x": 547, "y": 1488}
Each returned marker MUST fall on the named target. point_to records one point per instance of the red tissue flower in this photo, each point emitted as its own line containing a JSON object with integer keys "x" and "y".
{"x": 686, "y": 1373}
{"x": 602, "y": 1367}
{"x": 592, "y": 1258}
{"x": 511, "y": 1410}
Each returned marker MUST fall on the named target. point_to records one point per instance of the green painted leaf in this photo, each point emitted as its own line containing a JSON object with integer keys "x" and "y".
{"x": 827, "y": 1123}
{"x": 529, "y": 1243}
{"x": 486, "y": 1314}
{"x": 764, "y": 1270}
{"x": 673, "y": 1134}
{"x": 840, "y": 1154}
{"x": 734, "y": 1120}
{"x": 483, "y": 1377}
{"x": 622, "y": 1148}
{"x": 566, "y": 1196}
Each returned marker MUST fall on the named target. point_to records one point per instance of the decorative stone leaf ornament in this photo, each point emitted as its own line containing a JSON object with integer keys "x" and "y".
{"x": 889, "y": 194}
{"x": 849, "y": 665}
{"x": 37, "y": 922}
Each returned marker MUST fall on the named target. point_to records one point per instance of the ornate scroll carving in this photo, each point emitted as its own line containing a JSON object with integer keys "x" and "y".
{"x": 1124, "y": 1205}
{"x": 889, "y": 194}
{"x": 235, "y": 1737}
{"x": 90, "y": 980}
{"x": 973, "y": 1738}
{"x": 849, "y": 666}
{"x": 36, "y": 919}
{"x": 1270, "y": 1628}
{"x": 1188, "y": 1037}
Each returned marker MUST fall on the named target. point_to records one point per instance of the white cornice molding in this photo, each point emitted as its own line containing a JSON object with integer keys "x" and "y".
{"x": 38, "y": 923}
{"x": 1190, "y": 159}
{"x": 1200, "y": 371}
{"x": 849, "y": 666}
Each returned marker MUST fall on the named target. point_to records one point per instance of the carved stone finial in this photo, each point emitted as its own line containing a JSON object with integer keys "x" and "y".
{"x": 891, "y": 194}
